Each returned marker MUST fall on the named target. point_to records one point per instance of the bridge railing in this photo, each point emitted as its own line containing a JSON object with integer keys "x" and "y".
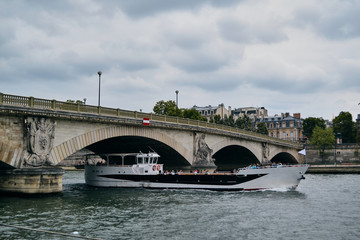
{"x": 7, "y": 99}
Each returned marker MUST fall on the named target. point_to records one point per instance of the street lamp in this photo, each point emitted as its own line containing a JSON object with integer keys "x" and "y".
{"x": 177, "y": 92}
{"x": 99, "y": 72}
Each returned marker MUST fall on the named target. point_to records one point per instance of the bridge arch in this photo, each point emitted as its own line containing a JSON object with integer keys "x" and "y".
{"x": 284, "y": 157}
{"x": 253, "y": 148}
{"x": 234, "y": 156}
{"x": 65, "y": 149}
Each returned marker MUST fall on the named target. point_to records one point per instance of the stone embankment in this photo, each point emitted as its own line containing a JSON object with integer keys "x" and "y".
{"x": 334, "y": 169}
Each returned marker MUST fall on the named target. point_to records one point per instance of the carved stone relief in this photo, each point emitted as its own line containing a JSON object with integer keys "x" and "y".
{"x": 202, "y": 152}
{"x": 265, "y": 151}
{"x": 39, "y": 141}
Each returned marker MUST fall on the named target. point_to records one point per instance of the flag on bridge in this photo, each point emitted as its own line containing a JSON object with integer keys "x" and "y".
{"x": 303, "y": 152}
{"x": 146, "y": 121}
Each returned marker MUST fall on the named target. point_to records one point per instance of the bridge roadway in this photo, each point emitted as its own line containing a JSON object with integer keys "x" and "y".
{"x": 39, "y": 132}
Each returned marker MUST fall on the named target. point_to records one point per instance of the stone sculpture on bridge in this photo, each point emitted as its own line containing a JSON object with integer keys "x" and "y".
{"x": 266, "y": 152}
{"x": 203, "y": 152}
{"x": 40, "y": 138}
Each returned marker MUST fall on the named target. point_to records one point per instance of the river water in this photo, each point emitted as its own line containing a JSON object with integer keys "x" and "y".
{"x": 322, "y": 207}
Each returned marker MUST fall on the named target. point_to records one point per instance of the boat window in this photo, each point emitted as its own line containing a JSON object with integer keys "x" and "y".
{"x": 140, "y": 160}
{"x": 155, "y": 160}
{"x": 129, "y": 160}
{"x": 115, "y": 160}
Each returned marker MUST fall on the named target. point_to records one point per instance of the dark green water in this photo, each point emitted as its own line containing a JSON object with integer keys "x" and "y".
{"x": 323, "y": 207}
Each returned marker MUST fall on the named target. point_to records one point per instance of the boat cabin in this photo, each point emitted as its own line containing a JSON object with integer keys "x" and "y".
{"x": 146, "y": 163}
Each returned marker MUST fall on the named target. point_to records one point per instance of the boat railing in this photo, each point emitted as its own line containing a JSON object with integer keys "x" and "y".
{"x": 272, "y": 166}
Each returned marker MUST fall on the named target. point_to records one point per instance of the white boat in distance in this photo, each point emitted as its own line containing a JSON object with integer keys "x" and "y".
{"x": 141, "y": 170}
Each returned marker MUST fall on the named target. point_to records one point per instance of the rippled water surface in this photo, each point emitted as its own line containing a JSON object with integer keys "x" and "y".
{"x": 323, "y": 207}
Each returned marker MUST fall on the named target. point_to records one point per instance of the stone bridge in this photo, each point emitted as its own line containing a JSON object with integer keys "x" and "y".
{"x": 40, "y": 132}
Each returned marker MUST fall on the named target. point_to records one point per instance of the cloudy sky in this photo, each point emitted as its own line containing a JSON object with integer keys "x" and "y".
{"x": 287, "y": 56}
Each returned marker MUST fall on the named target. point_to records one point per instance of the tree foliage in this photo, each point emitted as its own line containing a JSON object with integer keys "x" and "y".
{"x": 345, "y": 127}
{"x": 216, "y": 119}
{"x": 193, "y": 114}
{"x": 357, "y": 138}
{"x": 322, "y": 138}
{"x": 167, "y": 108}
{"x": 228, "y": 121}
{"x": 244, "y": 122}
{"x": 310, "y": 123}
{"x": 261, "y": 128}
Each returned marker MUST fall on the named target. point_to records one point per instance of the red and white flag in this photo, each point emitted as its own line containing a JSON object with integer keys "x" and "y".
{"x": 146, "y": 121}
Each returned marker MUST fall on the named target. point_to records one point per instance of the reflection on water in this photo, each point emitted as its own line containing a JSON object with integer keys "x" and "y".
{"x": 323, "y": 207}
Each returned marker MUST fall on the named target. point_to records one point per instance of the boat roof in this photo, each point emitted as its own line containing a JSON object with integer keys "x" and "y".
{"x": 139, "y": 155}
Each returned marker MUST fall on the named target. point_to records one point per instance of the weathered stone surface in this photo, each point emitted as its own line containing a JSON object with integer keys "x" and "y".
{"x": 344, "y": 153}
{"x": 31, "y": 180}
{"x": 39, "y": 141}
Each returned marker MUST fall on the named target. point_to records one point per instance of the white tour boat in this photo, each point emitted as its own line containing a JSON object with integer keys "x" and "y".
{"x": 141, "y": 170}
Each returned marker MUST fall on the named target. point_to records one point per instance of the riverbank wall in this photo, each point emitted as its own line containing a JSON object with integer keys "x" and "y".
{"x": 348, "y": 154}
{"x": 334, "y": 169}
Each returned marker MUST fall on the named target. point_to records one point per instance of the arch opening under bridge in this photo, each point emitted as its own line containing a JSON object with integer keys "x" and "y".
{"x": 133, "y": 144}
{"x": 233, "y": 157}
{"x": 284, "y": 158}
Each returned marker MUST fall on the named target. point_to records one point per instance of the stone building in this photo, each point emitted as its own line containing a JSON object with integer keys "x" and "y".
{"x": 252, "y": 112}
{"x": 210, "y": 111}
{"x": 283, "y": 126}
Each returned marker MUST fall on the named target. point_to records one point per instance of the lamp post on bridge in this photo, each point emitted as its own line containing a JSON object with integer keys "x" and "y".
{"x": 99, "y": 72}
{"x": 177, "y": 92}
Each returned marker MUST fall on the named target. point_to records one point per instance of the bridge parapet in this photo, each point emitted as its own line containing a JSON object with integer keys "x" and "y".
{"x": 58, "y": 106}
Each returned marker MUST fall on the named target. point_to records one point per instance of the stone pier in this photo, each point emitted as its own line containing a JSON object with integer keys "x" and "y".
{"x": 31, "y": 180}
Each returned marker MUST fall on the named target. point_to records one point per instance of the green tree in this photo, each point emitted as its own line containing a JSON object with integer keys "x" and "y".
{"x": 244, "y": 122}
{"x": 357, "y": 138}
{"x": 310, "y": 123}
{"x": 261, "y": 128}
{"x": 322, "y": 138}
{"x": 167, "y": 108}
{"x": 193, "y": 114}
{"x": 229, "y": 121}
{"x": 345, "y": 126}
{"x": 216, "y": 119}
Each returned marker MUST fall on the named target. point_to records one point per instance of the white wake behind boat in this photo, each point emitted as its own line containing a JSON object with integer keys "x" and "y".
{"x": 141, "y": 170}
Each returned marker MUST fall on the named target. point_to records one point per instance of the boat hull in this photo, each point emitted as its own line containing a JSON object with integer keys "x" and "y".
{"x": 243, "y": 180}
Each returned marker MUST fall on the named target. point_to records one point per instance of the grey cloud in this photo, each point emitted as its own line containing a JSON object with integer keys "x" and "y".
{"x": 198, "y": 62}
{"x": 213, "y": 82}
{"x": 338, "y": 20}
{"x": 342, "y": 27}
{"x": 288, "y": 85}
{"x": 245, "y": 32}
{"x": 140, "y": 8}
{"x": 187, "y": 40}
{"x": 135, "y": 64}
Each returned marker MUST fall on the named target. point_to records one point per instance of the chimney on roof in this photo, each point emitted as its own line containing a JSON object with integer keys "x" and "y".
{"x": 297, "y": 115}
